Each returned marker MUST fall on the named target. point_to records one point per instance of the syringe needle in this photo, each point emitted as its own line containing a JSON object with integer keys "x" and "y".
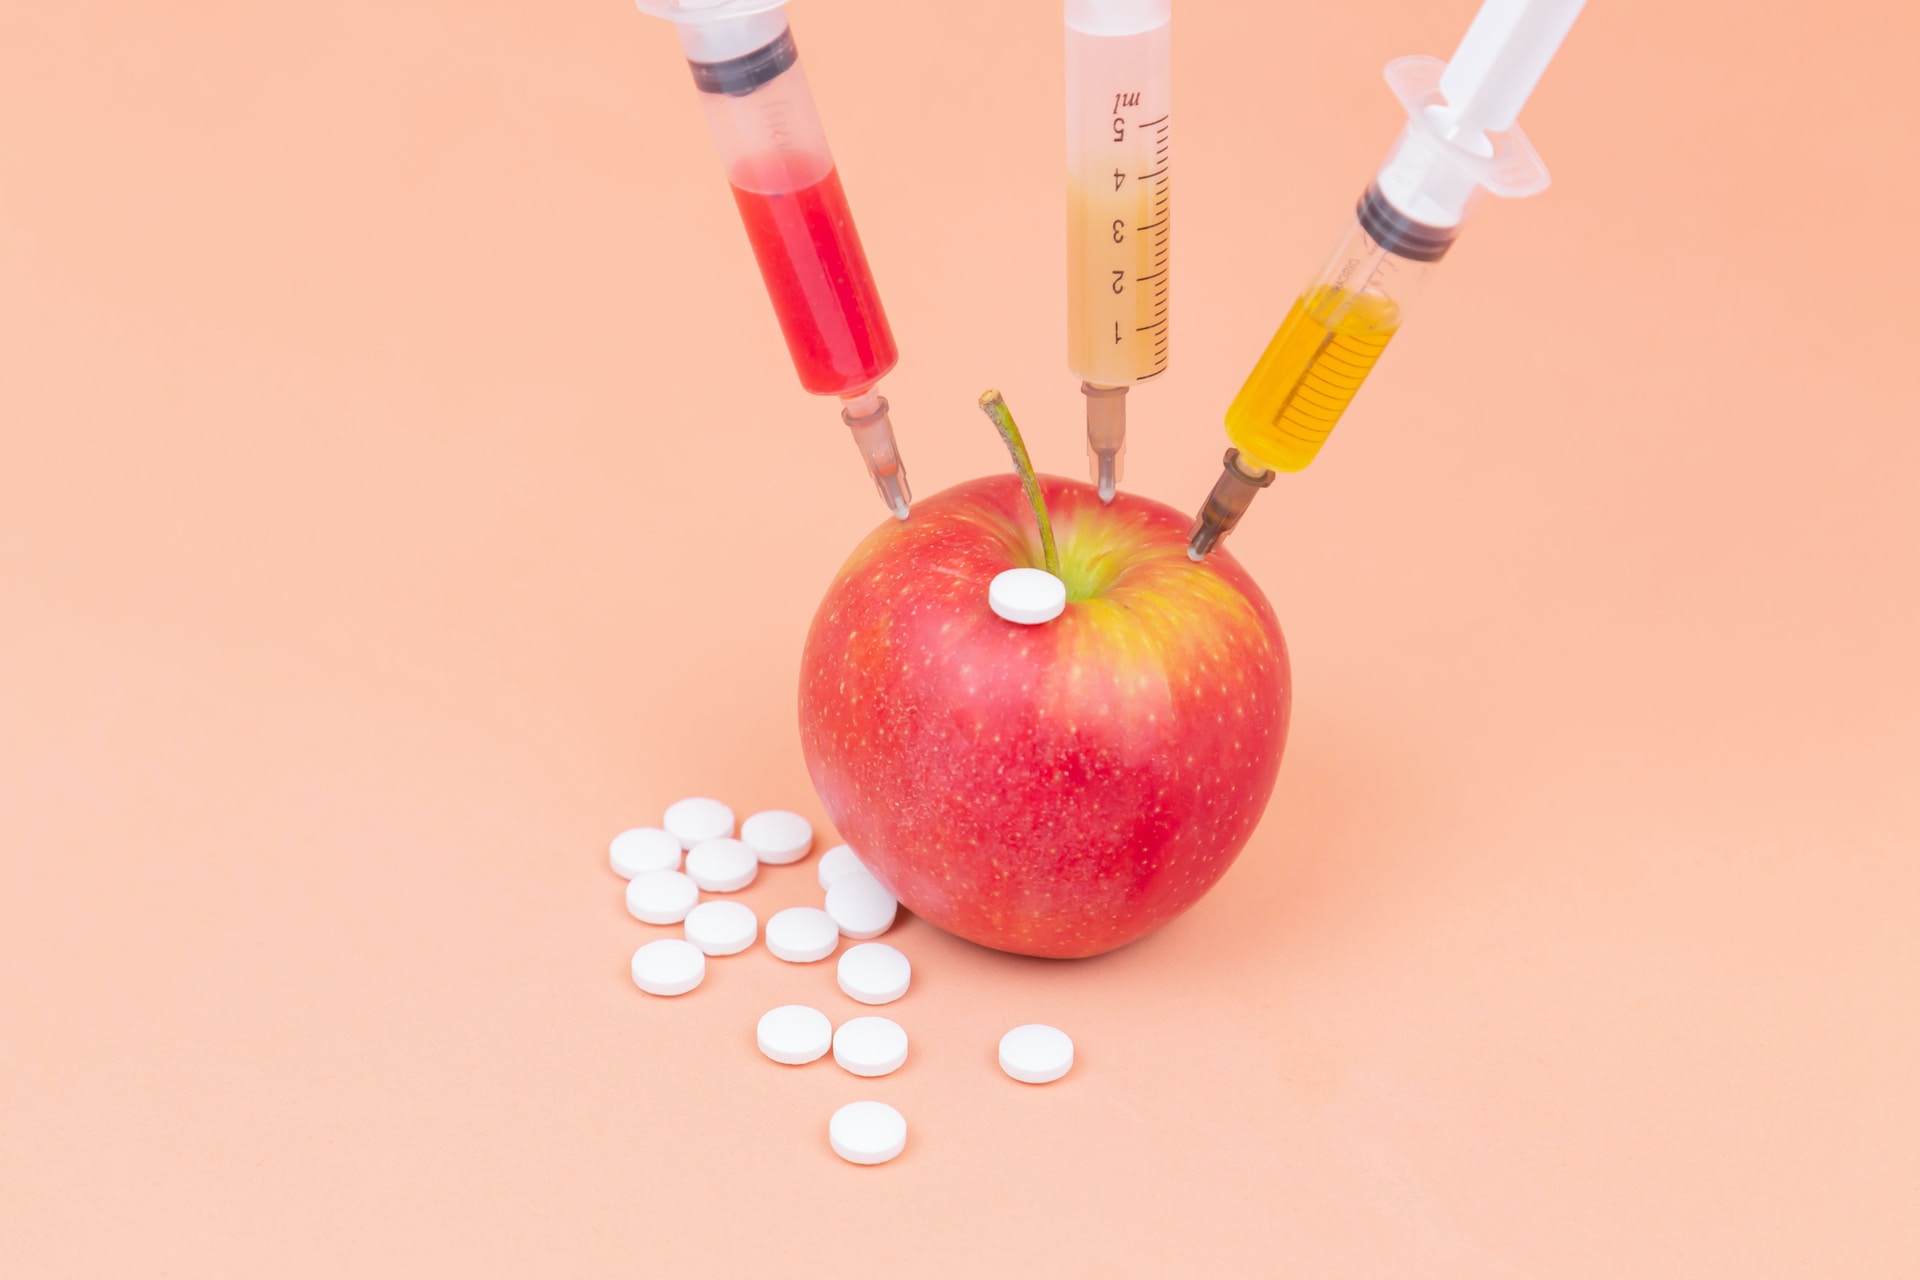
{"x": 1232, "y": 494}
{"x": 866, "y": 416}
{"x": 1106, "y": 435}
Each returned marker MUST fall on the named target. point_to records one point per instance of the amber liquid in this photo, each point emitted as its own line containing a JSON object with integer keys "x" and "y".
{"x": 1307, "y": 376}
{"x": 1118, "y": 245}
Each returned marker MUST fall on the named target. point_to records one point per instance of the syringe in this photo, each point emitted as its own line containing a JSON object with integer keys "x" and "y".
{"x": 1119, "y": 207}
{"x": 771, "y": 142}
{"x": 1460, "y": 139}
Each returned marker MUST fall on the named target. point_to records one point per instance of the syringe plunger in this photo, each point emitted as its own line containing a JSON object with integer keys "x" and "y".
{"x": 1500, "y": 60}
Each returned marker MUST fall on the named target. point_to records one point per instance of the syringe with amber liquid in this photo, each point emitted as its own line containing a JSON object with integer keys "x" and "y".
{"x": 1460, "y": 139}
{"x": 1119, "y": 212}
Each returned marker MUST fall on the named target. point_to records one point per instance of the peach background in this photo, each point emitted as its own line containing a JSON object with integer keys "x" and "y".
{"x": 362, "y": 368}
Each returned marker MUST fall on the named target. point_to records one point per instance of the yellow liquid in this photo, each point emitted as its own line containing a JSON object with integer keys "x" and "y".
{"x": 1308, "y": 374}
{"x": 1117, "y": 294}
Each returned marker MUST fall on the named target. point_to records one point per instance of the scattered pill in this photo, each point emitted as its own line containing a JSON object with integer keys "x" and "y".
{"x": 802, "y": 934}
{"x": 1027, "y": 595}
{"x": 837, "y": 862}
{"x": 861, "y": 905}
{"x": 669, "y": 967}
{"x": 722, "y": 865}
{"x": 794, "y": 1034}
{"x": 643, "y": 849}
{"x": 693, "y": 820}
{"x": 1036, "y": 1053}
{"x": 874, "y": 973}
{"x": 870, "y": 1046}
{"x": 694, "y": 849}
{"x": 661, "y": 897}
{"x": 778, "y": 836}
{"x": 867, "y": 1132}
{"x": 722, "y": 928}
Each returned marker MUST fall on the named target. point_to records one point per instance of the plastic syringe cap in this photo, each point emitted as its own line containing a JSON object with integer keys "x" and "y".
{"x": 705, "y": 10}
{"x": 713, "y": 31}
{"x": 1117, "y": 17}
{"x": 1434, "y": 174}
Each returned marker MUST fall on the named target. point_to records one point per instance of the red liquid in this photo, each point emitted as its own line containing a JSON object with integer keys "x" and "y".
{"x": 821, "y": 288}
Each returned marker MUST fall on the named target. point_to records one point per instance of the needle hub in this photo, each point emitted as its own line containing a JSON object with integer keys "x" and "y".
{"x": 1232, "y": 494}
{"x": 866, "y": 416}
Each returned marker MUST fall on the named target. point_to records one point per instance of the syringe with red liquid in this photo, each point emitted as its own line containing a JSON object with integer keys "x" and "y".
{"x": 757, "y": 103}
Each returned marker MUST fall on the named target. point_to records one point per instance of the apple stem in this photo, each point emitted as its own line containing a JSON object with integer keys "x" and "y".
{"x": 994, "y": 405}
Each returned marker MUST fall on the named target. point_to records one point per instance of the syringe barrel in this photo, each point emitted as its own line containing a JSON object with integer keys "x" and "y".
{"x": 761, "y": 113}
{"x": 1119, "y": 189}
{"x": 1331, "y": 339}
{"x": 754, "y": 93}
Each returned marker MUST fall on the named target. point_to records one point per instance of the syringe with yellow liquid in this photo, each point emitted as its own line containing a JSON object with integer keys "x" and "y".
{"x": 1460, "y": 139}
{"x": 1119, "y": 211}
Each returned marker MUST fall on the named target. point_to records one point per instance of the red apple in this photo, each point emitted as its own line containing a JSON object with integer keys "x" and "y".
{"x": 1058, "y": 789}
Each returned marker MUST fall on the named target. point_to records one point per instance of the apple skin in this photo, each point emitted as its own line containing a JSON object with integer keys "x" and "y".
{"x": 1054, "y": 790}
